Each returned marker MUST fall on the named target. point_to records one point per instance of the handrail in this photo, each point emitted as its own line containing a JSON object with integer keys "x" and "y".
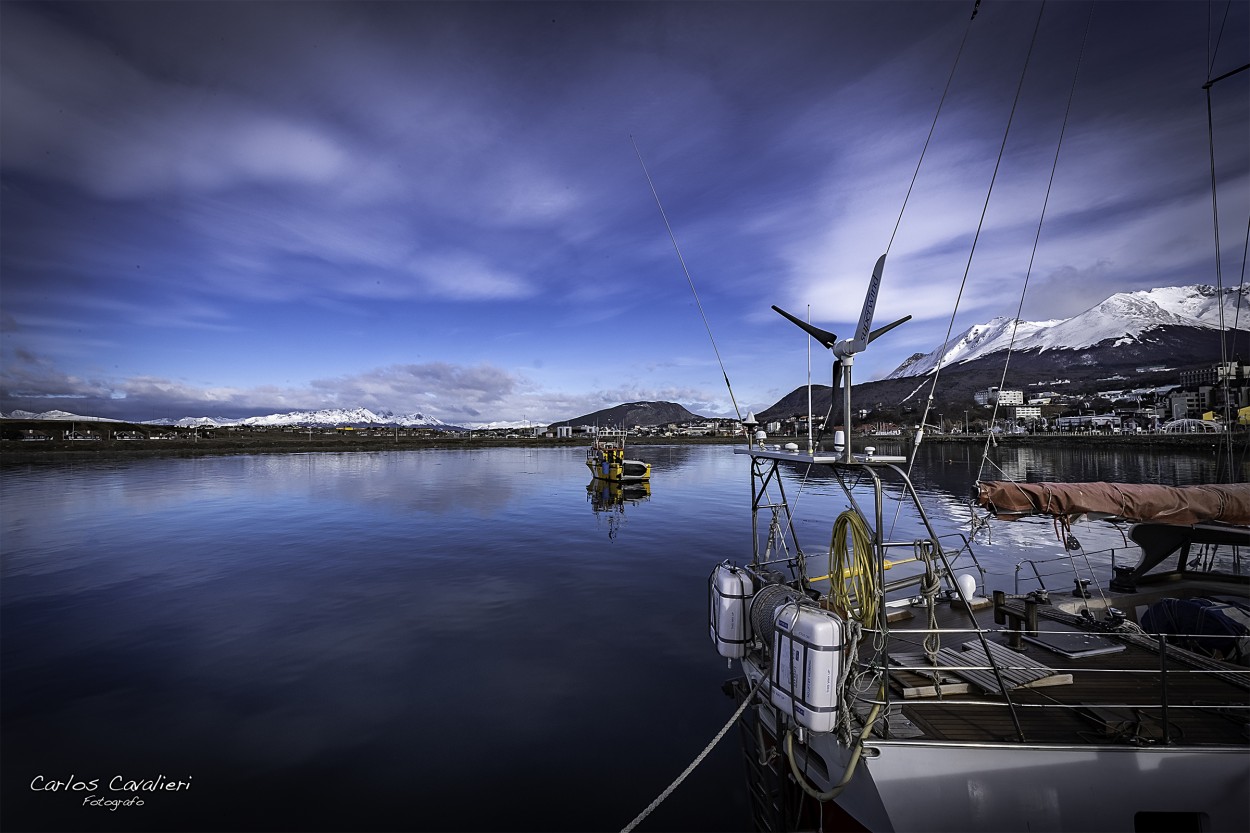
{"x": 861, "y": 482}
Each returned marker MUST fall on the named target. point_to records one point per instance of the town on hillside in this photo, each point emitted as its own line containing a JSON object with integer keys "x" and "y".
{"x": 1206, "y": 400}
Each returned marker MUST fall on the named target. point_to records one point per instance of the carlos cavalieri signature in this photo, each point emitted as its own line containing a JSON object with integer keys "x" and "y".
{"x": 116, "y": 784}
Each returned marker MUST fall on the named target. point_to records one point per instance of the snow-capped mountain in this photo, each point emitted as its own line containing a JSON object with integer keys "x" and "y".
{"x": 356, "y": 417}
{"x": 1124, "y": 318}
{"x": 192, "y": 422}
{"x": 326, "y": 416}
{"x": 506, "y": 425}
{"x": 64, "y": 416}
{"x": 340, "y": 416}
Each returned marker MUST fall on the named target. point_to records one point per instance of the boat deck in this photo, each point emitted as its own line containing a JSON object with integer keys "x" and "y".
{"x": 1103, "y": 694}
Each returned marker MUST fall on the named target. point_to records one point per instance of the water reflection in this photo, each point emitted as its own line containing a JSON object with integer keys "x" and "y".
{"x": 608, "y": 500}
{"x": 944, "y": 475}
{"x": 399, "y": 628}
{"x": 672, "y": 458}
{"x": 392, "y": 628}
{"x": 955, "y": 467}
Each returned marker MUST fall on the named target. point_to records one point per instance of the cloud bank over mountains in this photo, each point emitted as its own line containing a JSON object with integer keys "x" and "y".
{"x": 1123, "y": 318}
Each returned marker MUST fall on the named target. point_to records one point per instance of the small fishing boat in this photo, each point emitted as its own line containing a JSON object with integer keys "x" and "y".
{"x": 606, "y": 459}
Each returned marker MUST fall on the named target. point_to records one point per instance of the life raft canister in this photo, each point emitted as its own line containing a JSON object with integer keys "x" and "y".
{"x": 806, "y": 661}
{"x": 729, "y": 591}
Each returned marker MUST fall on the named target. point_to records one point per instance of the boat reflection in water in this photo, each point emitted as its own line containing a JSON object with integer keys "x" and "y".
{"x": 610, "y": 497}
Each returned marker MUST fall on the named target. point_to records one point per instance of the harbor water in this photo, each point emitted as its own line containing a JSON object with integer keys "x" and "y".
{"x": 410, "y": 640}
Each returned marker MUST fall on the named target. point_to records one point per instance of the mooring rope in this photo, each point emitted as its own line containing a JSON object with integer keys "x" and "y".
{"x": 746, "y": 701}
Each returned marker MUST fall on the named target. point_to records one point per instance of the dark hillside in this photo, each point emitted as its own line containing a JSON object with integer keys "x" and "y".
{"x": 635, "y": 413}
{"x": 1105, "y": 367}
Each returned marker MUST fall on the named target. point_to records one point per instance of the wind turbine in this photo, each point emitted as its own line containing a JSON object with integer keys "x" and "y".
{"x": 844, "y": 350}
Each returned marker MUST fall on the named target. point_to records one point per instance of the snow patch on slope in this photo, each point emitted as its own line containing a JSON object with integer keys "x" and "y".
{"x": 1125, "y": 317}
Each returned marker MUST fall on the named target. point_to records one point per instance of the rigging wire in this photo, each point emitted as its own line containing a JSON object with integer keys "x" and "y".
{"x": 932, "y": 127}
{"x": 833, "y": 393}
{"x": 1214, "y": 50}
{"x": 915, "y": 174}
{"x": 980, "y": 224}
{"x": 689, "y": 280}
{"x": 1219, "y": 277}
{"x": 1245, "y": 247}
{"x": 1038, "y": 234}
{"x": 1219, "y": 271}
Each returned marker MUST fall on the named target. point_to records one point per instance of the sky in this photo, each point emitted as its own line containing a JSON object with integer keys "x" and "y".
{"x": 231, "y": 209}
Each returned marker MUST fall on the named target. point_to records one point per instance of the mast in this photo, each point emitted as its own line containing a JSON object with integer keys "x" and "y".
{"x": 811, "y": 445}
{"x": 1219, "y": 274}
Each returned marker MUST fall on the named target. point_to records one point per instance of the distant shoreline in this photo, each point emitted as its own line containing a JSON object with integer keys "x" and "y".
{"x": 21, "y": 452}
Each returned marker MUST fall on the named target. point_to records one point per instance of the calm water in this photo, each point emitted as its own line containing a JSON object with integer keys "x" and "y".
{"x": 434, "y": 640}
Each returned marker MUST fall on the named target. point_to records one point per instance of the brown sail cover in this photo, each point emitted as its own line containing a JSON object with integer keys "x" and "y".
{"x": 1181, "y": 505}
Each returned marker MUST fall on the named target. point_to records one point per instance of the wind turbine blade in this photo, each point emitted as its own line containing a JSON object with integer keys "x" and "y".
{"x": 825, "y": 337}
{"x": 875, "y": 334}
{"x": 836, "y": 405}
{"x": 870, "y": 305}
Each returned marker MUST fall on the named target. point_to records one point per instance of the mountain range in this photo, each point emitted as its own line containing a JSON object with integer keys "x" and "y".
{"x": 1123, "y": 319}
{"x": 1130, "y": 340}
{"x": 358, "y": 417}
{"x": 630, "y": 414}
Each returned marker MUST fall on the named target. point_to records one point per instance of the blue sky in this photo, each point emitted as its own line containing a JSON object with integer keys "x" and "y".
{"x": 230, "y": 209}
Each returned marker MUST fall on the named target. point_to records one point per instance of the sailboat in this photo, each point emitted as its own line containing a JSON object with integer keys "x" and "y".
{"x": 918, "y": 701}
{"x": 883, "y": 686}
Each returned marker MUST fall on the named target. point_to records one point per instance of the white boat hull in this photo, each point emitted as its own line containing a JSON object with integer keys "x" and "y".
{"x": 907, "y": 786}
{"x": 940, "y": 787}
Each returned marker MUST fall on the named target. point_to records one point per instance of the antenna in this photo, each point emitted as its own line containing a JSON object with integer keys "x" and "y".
{"x": 811, "y": 442}
{"x": 844, "y": 350}
{"x": 689, "y": 280}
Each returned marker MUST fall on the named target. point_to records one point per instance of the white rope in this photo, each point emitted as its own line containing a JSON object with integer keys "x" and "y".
{"x": 746, "y": 701}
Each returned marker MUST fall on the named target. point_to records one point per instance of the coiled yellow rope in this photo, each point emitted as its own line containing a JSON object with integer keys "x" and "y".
{"x": 855, "y": 566}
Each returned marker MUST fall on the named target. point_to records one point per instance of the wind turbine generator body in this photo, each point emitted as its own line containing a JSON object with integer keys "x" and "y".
{"x": 844, "y": 350}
